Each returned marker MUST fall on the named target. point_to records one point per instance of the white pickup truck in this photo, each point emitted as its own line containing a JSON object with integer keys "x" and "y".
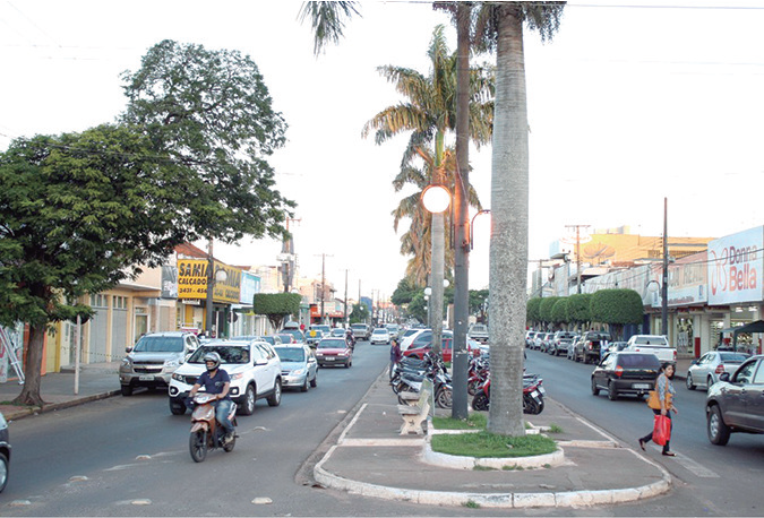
{"x": 655, "y": 344}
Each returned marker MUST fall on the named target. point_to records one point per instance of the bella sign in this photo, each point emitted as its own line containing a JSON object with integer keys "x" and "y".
{"x": 735, "y": 266}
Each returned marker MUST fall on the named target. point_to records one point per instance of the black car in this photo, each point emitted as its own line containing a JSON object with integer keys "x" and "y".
{"x": 626, "y": 373}
{"x": 736, "y": 403}
{"x": 5, "y": 453}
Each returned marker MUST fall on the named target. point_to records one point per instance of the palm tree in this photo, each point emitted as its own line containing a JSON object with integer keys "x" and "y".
{"x": 500, "y": 26}
{"x": 430, "y": 113}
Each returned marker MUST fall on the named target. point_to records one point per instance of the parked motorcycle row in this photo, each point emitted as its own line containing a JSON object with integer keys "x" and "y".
{"x": 409, "y": 374}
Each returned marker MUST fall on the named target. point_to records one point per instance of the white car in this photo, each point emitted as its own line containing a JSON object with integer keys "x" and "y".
{"x": 380, "y": 336}
{"x": 254, "y": 368}
{"x": 422, "y": 337}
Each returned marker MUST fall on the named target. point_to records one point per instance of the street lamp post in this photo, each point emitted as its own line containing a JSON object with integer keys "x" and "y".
{"x": 436, "y": 200}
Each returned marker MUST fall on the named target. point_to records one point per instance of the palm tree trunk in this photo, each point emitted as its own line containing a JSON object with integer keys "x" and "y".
{"x": 461, "y": 220}
{"x": 438, "y": 268}
{"x": 509, "y": 233}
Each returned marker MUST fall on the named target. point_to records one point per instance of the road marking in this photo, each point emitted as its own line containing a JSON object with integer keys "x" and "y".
{"x": 690, "y": 465}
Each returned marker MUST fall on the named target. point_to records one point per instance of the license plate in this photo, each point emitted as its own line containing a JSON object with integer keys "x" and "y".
{"x": 535, "y": 393}
{"x": 329, "y": 359}
{"x": 146, "y": 378}
{"x": 644, "y": 386}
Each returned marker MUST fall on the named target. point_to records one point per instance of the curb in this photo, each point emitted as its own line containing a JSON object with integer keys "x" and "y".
{"x": 23, "y": 412}
{"x": 570, "y": 499}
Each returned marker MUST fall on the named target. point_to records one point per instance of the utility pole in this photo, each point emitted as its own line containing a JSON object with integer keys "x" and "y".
{"x": 323, "y": 285}
{"x": 345, "y": 317}
{"x": 664, "y": 284}
{"x": 578, "y": 254}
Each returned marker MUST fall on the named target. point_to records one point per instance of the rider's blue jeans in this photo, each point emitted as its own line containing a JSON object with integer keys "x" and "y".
{"x": 222, "y": 410}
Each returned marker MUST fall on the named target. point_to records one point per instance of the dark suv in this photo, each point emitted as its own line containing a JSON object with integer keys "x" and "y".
{"x": 588, "y": 348}
{"x": 734, "y": 403}
{"x": 626, "y": 373}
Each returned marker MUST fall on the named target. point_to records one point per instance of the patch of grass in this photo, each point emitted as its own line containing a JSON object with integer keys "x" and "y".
{"x": 553, "y": 428}
{"x": 483, "y": 468}
{"x": 470, "y": 504}
{"x": 474, "y": 422}
{"x": 488, "y": 445}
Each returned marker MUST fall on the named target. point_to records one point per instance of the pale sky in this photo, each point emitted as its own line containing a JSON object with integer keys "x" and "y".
{"x": 627, "y": 105}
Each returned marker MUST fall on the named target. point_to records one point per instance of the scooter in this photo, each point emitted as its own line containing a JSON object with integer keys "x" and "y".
{"x": 533, "y": 395}
{"x": 206, "y": 432}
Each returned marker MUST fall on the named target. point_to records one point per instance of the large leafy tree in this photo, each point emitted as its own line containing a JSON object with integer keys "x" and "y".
{"x": 617, "y": 307}
{"x": 79, "y": 212}
{"x": 210, "y": 111}
{"x": 277, "y": 307}
{"x": 499, "y": 27}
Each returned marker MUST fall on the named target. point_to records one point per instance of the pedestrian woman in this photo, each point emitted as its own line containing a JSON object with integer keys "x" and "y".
{"x": 666, "y": 393}
{"x": 395, "y": 355}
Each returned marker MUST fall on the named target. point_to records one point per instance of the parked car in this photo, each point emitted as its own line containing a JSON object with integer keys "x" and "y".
{"x": 361, "y": 331}
{"x": 705, "y": 371}
{"x": 5, "y": 452}
{"x": 153, "y": 360}
{"x": 561, "y": 340}
{"x": 529, "y": 335}
{"x": 380, "y": 336}
{"x": 538, "y": 340}
{"x": 656, "y": 344}
{"x": 299, "y": 368}
{"x": 334, "y": 351}
{"x": 571, "y": 353}
{"x": 734, "y": 404}
{"x": 626, "y": 373}
{"x": 588, "y": 349}
{"x": 422, "y": 337}
{"x": 546, "y": 342}
{"x": 479, "y": 333}
{"x": 474, "y": 348}
{"x": 617, "y": 347}
{"x": 254, "y": 368}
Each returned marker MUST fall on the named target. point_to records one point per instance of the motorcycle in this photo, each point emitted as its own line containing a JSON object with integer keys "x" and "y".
{"x": 410, "y": 378}
{"x": 533, "y": 395}
{"x": 477, "y": 374}
{"x": 206, "y": 432}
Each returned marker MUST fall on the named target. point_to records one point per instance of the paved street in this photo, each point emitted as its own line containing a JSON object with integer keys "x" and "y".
{"x": 129, "y": 457}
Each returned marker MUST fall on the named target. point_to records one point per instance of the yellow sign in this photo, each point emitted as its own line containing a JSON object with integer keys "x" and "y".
{"x": 192, "y": 281}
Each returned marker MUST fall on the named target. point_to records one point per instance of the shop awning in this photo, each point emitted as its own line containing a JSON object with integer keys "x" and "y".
{"x": 756, "y": 326}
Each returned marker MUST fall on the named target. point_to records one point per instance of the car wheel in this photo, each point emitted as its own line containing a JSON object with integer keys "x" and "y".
{"x": 690, "y": 384}
{"x": 709, "y": 382}
{"x": 595, "y": 390}
{"x": 4, "y": 471}
{"x": 247, "y": 407}
{"x": 612, "y": 393}
{"x": 314, "y": 381}
{"x": 126, "y": 390}
{"x": 718, "y": 432}
{"x": 275, "y": 398}
{"x": 305, "y": 385}
{"x": 348, "y": 365}
{"x": 177, "y": 407}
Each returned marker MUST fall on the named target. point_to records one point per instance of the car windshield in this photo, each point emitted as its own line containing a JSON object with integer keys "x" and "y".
{"x": 291, "y": 354}
{"x": 380, "y": 331}
{"x": 159, "y": 344}
{"x": 228, "y": 353}
{"x": 331, "y": 344}
{"x": 732, "y": 357}
{"x": 358, "y": 326}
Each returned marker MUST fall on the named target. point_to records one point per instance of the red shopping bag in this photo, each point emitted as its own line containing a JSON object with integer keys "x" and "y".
{"x": 662, "y": 430}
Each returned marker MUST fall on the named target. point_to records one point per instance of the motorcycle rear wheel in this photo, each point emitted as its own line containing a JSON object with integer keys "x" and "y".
{"x": 480, "y": 402}
{"x": 474, "y": 386}
{"x": 197, "y": 445}
{"x": 444, "y": 398}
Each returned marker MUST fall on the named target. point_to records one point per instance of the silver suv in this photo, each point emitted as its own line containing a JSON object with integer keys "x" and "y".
{"x": 254, "y": 368}
{"x": 152, "y": 360}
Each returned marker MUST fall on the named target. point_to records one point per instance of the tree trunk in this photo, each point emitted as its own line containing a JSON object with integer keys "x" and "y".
{"x": 509, "y": 232}
{"x": 30, "y": 394}
{"x": 461, "y": 219}
{"x": 438, "y": 268}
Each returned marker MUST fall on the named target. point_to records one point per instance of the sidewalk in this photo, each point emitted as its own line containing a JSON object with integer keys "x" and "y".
{"x": 96, "y": 381}
{"x": 372, "y": 458}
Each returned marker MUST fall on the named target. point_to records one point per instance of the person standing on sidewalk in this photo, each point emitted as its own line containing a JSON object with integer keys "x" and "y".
{"x": 666, "y": 393}
{"x": 395, "y": 355}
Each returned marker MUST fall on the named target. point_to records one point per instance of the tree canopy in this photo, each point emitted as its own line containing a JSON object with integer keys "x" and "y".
{"x": 276, "y": 306}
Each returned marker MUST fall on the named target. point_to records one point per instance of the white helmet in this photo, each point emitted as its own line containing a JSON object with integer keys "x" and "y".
{"x": 214, "y": 358}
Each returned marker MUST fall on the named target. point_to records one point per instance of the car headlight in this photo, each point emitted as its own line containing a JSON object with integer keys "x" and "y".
{"x": 125, "y": 365}
{"x": 237, "y": 376}
{"x": 171, "y": 365}
{"x": 297, "y": 372}
{"x": 178, "y": 377}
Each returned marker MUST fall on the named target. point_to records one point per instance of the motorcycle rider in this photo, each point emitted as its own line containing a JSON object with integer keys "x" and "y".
{"x": 349, "y": 338}
{"x": 217, "y": 381}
